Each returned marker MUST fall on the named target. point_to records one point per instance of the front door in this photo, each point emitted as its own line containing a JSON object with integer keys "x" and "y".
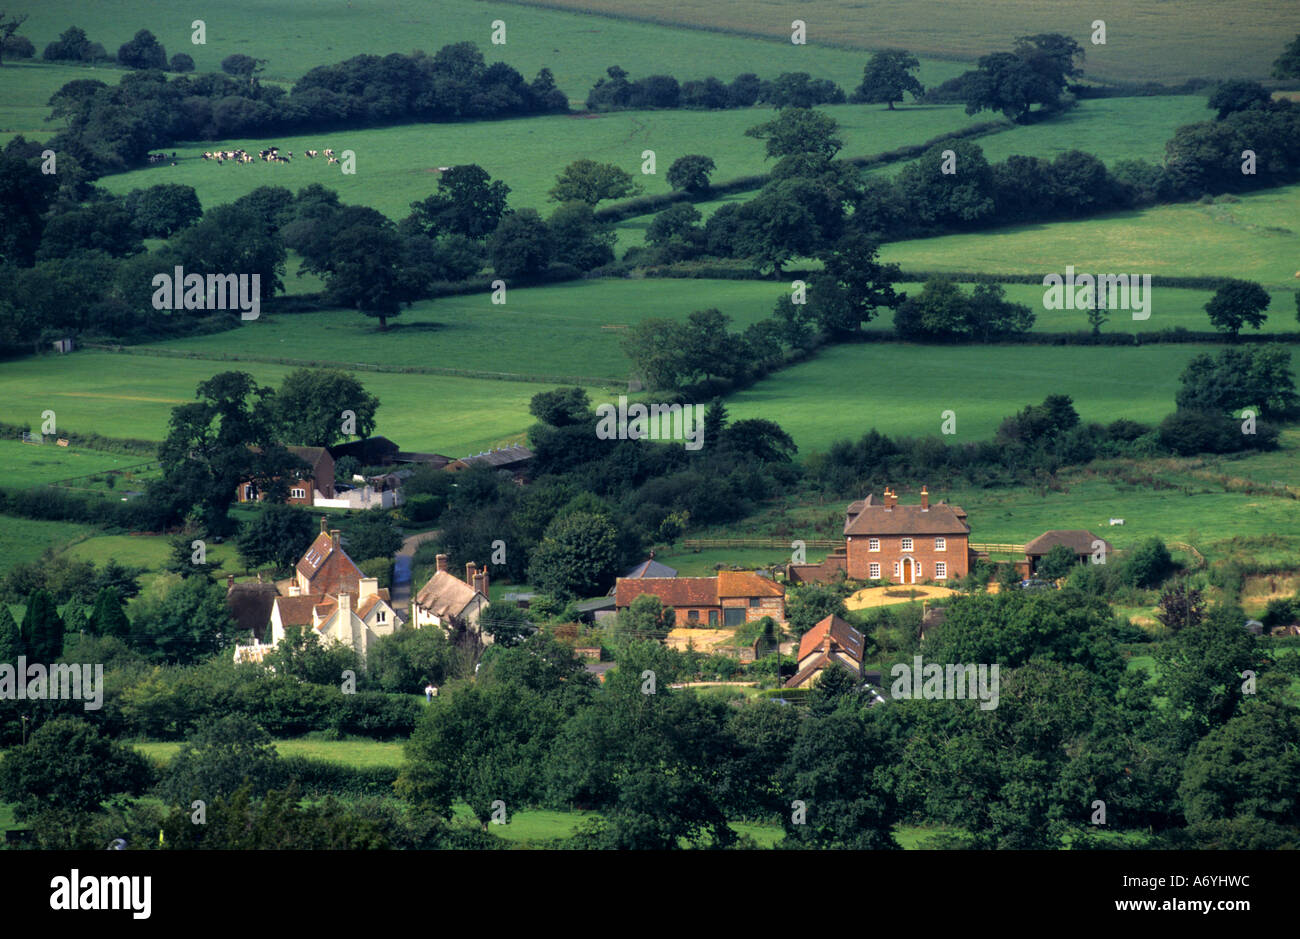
{"x": 909, "y": 571}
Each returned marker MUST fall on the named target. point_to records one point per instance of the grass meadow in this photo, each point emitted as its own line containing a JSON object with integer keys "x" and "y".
{"x": 397, "y": 165}
{"x": 23, "y": 465}
{"x": 297, "y": 35}
{"x": 1145, "y": 40}
{"x": 903, "y": 388}
{"x": 541, "y": 333}
{"x": 25, "y": 86}
{"x": 1251, "y": 237}
{"x": 25, "y": 539}
{"x": 115, "y": 396}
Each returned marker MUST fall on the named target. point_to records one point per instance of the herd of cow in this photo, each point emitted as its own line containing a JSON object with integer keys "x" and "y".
{"x": 269, "y": 155}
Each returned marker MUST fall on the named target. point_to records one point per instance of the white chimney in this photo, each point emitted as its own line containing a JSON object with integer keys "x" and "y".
{"x": 295, "y": 590}
{"x": 369, "y": 587}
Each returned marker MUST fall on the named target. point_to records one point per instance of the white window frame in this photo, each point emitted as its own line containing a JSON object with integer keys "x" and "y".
{"x": 898, "y": 569}
{"x": 297, "y": 493}
{"x": 873, "y": 544}
{"x": 941, "y": 544}
{"x": 940, "y": 570}
{"x": 873, "y": 571}
{"x": 381, "y": 616}
{"x": 916, "y": 569}
{"x": 907, "y": 544}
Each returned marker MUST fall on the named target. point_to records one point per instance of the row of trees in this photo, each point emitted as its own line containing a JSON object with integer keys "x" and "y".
{"x": 616, "y": 92}
{"x": 110, "y": 128}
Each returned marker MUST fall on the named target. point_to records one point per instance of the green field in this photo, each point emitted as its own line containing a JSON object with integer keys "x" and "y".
{"x": 1145, "y": 40}
{"x": 1254, "y": 238}
{"x": 23, "y": 464}
{"x": 1171, "y": 308}
{"x": 116, "y": 396}
{"x": 361, "y": 752}
{"x": 396, "y": 166}
{"x": 297, "y": 35}
{"x": 26, "y": 86}
{"x": 540, "y": 333}
{"x": 24, "y": 539}
{"x": 902, "y": 388}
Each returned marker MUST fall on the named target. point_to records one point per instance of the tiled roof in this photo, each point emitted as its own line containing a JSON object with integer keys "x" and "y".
{"x": 339, "y": 571}
{"x": 651, "y": 568}
{"x": 747, "y": 584}
{"x": 875, "y": 519}
{"x": 671, "y": 591}
{"x": 1078, "y": 540}
{"x": 842, "y": 633}
{"x": 296, "y": 611}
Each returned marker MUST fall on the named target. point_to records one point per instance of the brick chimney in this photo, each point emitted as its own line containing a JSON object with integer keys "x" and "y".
{"x": 925, "y": 499}
{"x": 345, "y": 603}
{"x": 891, "y": 499}
{"x": 323, "y": 521}
{"x": 481, "y": 581}
{"x": 442, "y": 563}
{"x": 334, "y": 538}
{"x": 470, "y": 570}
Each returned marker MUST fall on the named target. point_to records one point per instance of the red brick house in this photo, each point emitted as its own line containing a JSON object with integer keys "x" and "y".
{"x": 729, "y": 599}
{"x": 302, "y": 491}
{"x": 900, "y": 544}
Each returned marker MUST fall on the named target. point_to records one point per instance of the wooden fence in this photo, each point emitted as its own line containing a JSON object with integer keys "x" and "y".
{"x": 783, "y": 544}
{"x": 989, "y": 547}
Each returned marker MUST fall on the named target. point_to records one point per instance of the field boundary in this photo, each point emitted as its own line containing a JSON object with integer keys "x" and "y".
{"x": 783, "y": 543}
{"x": 360, "y": 366}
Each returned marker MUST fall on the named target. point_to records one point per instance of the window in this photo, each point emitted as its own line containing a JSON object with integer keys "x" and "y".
{"x": 713, "y": 617}
{"x": 298, "y": 493}
{"x": 895, "y": 570}
{"x": 733, "y": 616}
{"x": 873, "y": 571}
{"x": 916, "y": 566}
{"x": 941, "y": 544}
{"x": 381, "y": 617}
{"x": 693, "y": 616}
{"x": 873, "y": 544}
{"x": 753, "y": 602}
{"x": 907, "y": 544}
{"x": 940, "y": 570}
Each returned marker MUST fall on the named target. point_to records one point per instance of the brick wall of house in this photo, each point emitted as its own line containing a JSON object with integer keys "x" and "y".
{"x": 955, "y": 555}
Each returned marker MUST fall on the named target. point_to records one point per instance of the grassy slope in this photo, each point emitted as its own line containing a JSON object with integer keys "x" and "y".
{"x": 546, "y": 331}
{"x": 25, "y": 86}
{"x": 398, "y": 165}
{"x": 1146, "y": 40}
{"x": 23, "y": 539}
{"x": 1253, "y": 239}
{"x": 297, "y": 35}
{"x": 133, "y": 397}
{"x": 904, "y": 388}
{"x": 23, "y": 465}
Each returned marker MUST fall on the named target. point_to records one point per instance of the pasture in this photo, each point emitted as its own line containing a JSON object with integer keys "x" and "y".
{"x": 1251, "y": 237}
{"x": 297, "y": 35}
{"x": 541, "y": 334}
{"x": 23, "y": 465}
{"x": 904, "y": 388}
{"x": 398, "y": 165}
{"x": 25, "y": 86}
{"x": 25, "y": 539}
{"x": 1145, "y": 40}
{"x": 120, "y": 397}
